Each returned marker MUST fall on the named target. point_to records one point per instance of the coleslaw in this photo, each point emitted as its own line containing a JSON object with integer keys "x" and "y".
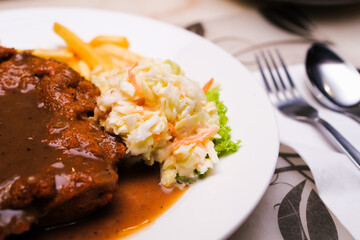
{"x": 162, "y": 116}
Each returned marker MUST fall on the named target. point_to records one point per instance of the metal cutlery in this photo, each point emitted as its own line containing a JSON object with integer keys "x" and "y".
{"x": 333, "y": 82}
{"x": 286, "y": 98}
{"x": 288, "y": 17}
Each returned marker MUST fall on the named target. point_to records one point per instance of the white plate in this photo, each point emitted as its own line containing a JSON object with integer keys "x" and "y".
{"x": 216, "y": 206}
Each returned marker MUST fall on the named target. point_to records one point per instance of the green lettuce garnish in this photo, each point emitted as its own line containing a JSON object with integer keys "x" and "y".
{"x": 223, "y": 145}
{"x": 183, "y": 179}
{"x": 200, "y": 175}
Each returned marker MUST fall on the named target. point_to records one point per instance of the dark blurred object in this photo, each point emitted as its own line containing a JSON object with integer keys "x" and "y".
{"x": 314, "y": 2}
{"x": 288, "y": 17}
{"x": 196, "y": 28}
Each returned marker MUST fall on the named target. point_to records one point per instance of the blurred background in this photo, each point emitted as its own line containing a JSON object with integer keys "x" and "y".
{"x": 243, "y": 26}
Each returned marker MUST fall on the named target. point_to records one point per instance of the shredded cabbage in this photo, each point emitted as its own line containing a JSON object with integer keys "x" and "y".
{"x": 165, "y": 117}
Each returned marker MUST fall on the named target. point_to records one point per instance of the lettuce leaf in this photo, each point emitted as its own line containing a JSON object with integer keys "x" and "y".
{"x": 223, "y": 145}
{"x": 183, "y": 179}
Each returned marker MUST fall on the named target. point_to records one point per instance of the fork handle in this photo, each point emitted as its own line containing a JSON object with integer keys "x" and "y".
{"x": 339, "y": 139}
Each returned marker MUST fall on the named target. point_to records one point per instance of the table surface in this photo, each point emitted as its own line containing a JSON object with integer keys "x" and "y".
{"x": 239, "y": 28}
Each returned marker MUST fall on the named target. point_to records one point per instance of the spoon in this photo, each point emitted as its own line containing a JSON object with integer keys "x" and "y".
{"x": 334, "y": 83}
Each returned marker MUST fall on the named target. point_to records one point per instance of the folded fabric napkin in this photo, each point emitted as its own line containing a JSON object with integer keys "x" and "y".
{"x": 336, "y": 177}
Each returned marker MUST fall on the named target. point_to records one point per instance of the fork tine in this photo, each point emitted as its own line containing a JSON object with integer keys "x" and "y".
{"x": 285, "y": 69}
{"x": 269, "y": 68}
{"x": 294, "y": 106}
{"x": 276, "y": 69}
{"x": 262, "y": 73}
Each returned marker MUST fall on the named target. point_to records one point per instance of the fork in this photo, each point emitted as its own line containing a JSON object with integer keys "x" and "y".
{"x": 287, "y": 99}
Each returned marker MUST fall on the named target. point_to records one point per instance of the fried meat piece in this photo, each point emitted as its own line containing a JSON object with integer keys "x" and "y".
{"x": 57, "y": 164}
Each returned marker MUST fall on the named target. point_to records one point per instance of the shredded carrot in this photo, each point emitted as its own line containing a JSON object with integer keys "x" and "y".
{"x": 133, "y": 66}
{"x": 172, "y": 129}
{"x": 133, "y": 80}
{"x": 197, "y": 138}
{"x": 157, "y": 137}
{"x": 140, "y": 102}
{"x": 207, "y": 85}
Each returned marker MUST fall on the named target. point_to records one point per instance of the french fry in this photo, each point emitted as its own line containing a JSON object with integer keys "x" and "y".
{"x": 118, "y": 63}
{"x": 73, "y": 63}
{"x": 120, "y": 52}
{"x": 116, "y": 40}
{"x": 108, "y": 52}
{"x": 84, "y": 69}
{"x": 82, "y": 49}
{"x": 61, "y": 55}
{"x": 106, "y": 59}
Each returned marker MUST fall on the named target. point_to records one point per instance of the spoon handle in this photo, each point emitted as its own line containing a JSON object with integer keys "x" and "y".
{"x": 340, "y": 141}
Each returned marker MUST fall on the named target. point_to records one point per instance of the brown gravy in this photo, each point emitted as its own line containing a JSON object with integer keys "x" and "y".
{"x": 57, "y": 165}
{"x": 138, "y": 201}
{"x": 23, "y": 145}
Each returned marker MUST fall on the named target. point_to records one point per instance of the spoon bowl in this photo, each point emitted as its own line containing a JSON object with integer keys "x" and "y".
{"x": 333, "y": 82}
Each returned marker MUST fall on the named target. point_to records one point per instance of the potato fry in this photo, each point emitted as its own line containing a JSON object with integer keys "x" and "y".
{"x": 84, "y": 69}
{"x": 73, "y": 63}
{"x": 61, "y": 55}
{"x": 118, "y": 63}
{"x": 106, "y": 59}
{"x": 116, "y": 40}
{"x": 120, "y": 52}
{"x": 104, "y": 51}
{"x": 82, "y": 49}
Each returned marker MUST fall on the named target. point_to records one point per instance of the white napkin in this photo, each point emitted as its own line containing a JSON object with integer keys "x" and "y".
{"x": 336, "y": 177}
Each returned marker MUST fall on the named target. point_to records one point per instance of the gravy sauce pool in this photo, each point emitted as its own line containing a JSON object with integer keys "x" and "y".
{"x": 138, "y": 201}
{"x": 21, "y": 133}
